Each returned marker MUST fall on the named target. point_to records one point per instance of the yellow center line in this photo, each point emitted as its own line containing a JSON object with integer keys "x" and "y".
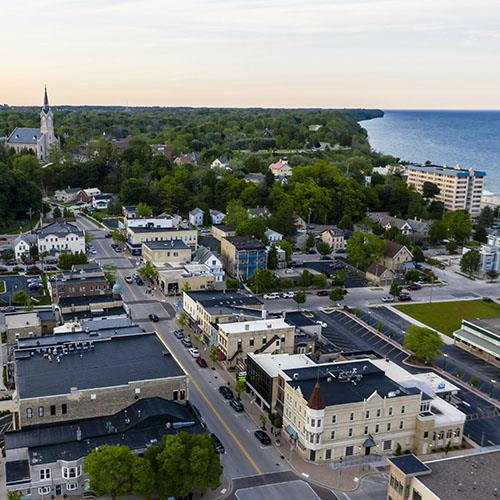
{"x": 212, "y": 407}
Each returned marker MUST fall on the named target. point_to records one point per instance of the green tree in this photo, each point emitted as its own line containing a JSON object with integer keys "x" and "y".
{"x": 68, "y": 260}
{"x": 110, "y": 272}
{"x": 458, "y": 225}
{"x": 20, "y": 297}
{"x": 480, "y": 234}
{"x": 474, "y": 381}
{"x": 323, "y": 247}
{"x": 264, "y": 280}
{"x": 418, "y": 254}
{"x": 148, "y": 271}
{"x": 319, "y": 280}
{"x": 492, "y": 274}
{"x": 438, "y": 231}
{"x": 336, "y": 294}
{"x": 143, "y": 210}
{"x": 143, "y": 478}
{"x": 364, "y": 248}
{"x": 486, "y": 217}
{"x": 110, "y": 469}
{"x": 300, "y": 298}
{"x": 395, "y": 290}
{"x": 263, "y": 421}
{"x": 213, "y": 353}
{"x": 287, "y": 246}
{"x": 272, "y": 258}
{"x": 447, "y": 448}
{"x": 56, "y": 213}
{"x": 13, "y": 495}
{"x": 430, "y": 190}
{"x": 398, "y": 450}
{"x": 423, "y": 343}
{"x": 232, "y": 283}
{"x": 283, "y": 219}
{"x": 254, "y": 226}
{"x": 240, "y": 386}
{"x": 470, "y": 262}
{"x": 235, "y": 213}
{"x": 310, "y": 242}
{"x": 306, "y": 278}
{"x": 412, "y": 275}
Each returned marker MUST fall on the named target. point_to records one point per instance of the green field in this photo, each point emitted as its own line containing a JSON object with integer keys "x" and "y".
{"x": 447, "y": 317}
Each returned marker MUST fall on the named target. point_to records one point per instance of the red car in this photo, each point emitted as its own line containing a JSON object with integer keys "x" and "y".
{"x": 201, "y": 362}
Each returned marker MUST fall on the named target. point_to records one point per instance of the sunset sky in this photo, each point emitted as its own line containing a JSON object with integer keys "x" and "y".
{"x": 270, "y": 53}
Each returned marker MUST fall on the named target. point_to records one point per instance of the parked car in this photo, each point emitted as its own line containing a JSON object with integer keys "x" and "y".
{"x": 179, "y": 334}
{"x": 337, "y": 266}
{"x": 288, "y": 295}
{"x": 12, "y": 262}
{"x": 3, "y": 269}
{"x": 404, "y": 297}
{"x": 387, "y": 298}
{"x": 108, "y": 235}
{"x": 322, "y": 293}
{"x": 325, "y": 257}
{"x": 154, "y": 318}
{"x": 237, "y": 406}
{"x": 201, "y": 362}
{"x": 321, "y": 323}
{"x": 139, "y": 282}
{"x": 262, "y": 437}
{"x": 226, "y": 392}
{"x": 8, "y": 309}
{"x": 217, "y": 444}
{"x": 272, "y": 295}
{"x": 50, "y": 268}
{"x": 128, "y": 279}
{"x": 194, "y": 352}
{"x": 414, "y": 286}
{"x": 186, "y": 341}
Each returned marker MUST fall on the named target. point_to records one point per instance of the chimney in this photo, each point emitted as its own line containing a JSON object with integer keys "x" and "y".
{"x": 78, "y": 434}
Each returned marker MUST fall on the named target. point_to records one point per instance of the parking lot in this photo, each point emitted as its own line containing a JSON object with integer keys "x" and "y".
{"x": 14, "y": 283}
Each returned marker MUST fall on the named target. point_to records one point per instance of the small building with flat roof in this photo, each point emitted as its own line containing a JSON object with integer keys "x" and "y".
{"x": 161, "y": 253}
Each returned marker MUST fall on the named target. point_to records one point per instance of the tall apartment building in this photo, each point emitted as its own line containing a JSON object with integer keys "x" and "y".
{"x": 243, "y": 255}
{"x": 460, "y": 188}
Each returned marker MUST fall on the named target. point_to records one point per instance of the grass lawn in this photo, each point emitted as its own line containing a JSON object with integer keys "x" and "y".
{"x": 447, "y": 317}
{"x": 2, "y": 286}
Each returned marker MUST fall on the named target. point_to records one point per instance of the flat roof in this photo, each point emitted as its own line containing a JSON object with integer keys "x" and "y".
{"x": 491, "y": 324}
{"x": 115, "y": 361}
{"x": 253, "y": 326}
{"x": 477, "y": 340}
{"x": 230, "y": 298}
{"x": 272, "y": 364}
{"x": 445, "y": 170}
{"x": 166, "y": 245}
{"x": 142, "y": 229}
{"x": 296, "y": 318}
{"x": 465, "y": 477}
{"x": 409, "y": 464}
{"x": 86, "y": 300}
{"x": 23, "y": 320}
{"x": 245, "y": 243}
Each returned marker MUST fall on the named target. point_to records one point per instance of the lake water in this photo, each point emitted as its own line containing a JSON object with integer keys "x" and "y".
{"x": 469, "y": 138}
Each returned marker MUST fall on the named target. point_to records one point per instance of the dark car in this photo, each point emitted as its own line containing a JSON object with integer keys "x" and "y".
{"x": 139, "y": 282}
{"x": 262, "y": 437}
{"x": 108, "y": 235}
{"x": 311, "y": 251}
{"x": 414, "y": 286}
{"x": 218, "y": 445}
{"x": 8, "y": 309}
{"x": 154, "y": 318}
{"x": 237, "y": 406}
{"x": 3, "y": 269}
{"x": 404, "y": 298}
{"x": 326, "y": 257}
{"x": 322, "y": 293}
{"x": 179, "y": 334}
{"x": 226, "y": 392}
{"x": 12, "y": 262}
{"x": 186, "y": 342}
{"x": 201, "y": 362}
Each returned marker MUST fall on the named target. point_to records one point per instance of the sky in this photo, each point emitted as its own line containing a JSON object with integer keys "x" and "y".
{"x": 399, "y": 54}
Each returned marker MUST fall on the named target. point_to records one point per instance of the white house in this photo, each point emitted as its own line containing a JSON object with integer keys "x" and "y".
{"x": 23, "y": 244}
{"x": 66, "y": 195}
{"x": 216, "y": 216}
{"x": 221, "y": 162}
{"x": 273, "y": 236}
{"x": 196, "y": 217}
{"x": 61, "y": 237}
{"x": 101, "y": 201}
{"x": 204, "y": 255}
{"x": 334, "y": 237}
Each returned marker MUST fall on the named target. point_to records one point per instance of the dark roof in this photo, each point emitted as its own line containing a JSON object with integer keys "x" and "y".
{"x": 296, "y": 318}
{"x": 17, "y": 471}
{"x": 137, "y": 426}
{"x": 105, "y": 311}
{"x": 392, "y": 248}
{"x": 24, "y": 135}
{"x": 376, "y": 269}
{"x": 409, "y": 464}
{"x": 46, "y": 315}
{"x": 316, "y": 400}
{"x": 215, "y": 298}
{"x": 80, "y": 301}
{"x": 338, "y": 389}
{"x": 112, "y": 362}
{"x": 142, "y": 229}
{"x": 60, "y": 228}
{"x": 46, "y": 106}
{"x": 246, "y": 243}
{"x": 225, "y": 227}
{"x": 166, "y": 245}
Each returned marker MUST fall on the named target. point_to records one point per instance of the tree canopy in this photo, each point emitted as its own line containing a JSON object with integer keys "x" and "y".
{"x": 423, "y": 343}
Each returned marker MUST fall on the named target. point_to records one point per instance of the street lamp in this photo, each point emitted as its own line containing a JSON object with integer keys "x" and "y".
{"x": 445, "y": 360}
{"x": 493, "y": 382}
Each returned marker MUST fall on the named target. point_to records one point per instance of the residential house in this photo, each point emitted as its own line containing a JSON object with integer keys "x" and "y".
{"x": 334, "y": 237}
{"x": 221, "y": 162}
{"x": 162, "y": 253}
{"x": 207, "y": 309}
{"x": 281, "y": 169}
{"x": 187, "y": 159}
{"x": 396, "y": 256}
{"x": 85, "y": 195}
{"x": 243, "y": 255}
{"x": 23, "y": 244}
{"x": 216, "y": 217}
{"x": 67, "y": 195}
{"x": 357, "y": 408}
{"x": 61, "y": 237}
{"x": 101, "y": 201}
{"x": 259, "y": 212}
{"x": 415, "y": 229}
{"x": 204, "y": 255}
{"x": 196, "y": 217}
{"x": 236, "y": 340}
{"x": 490, "y": 252}
{"x": 462, "y": 477}
{"x": 273, "y": 236}
{"x": 175, "y": 280}
{"x": 129, "y": 212}
{"x": 162, "y": 149}
{"x": 379, "y": 275}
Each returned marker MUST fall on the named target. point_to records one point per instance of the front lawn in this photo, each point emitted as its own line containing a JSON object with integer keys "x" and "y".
{"x": 446, "y": 317}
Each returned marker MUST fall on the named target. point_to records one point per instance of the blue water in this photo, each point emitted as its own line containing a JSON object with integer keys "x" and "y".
{"x": 469, "y": 138}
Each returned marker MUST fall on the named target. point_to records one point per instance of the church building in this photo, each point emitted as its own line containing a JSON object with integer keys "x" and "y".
{"x": 39, "y": 140}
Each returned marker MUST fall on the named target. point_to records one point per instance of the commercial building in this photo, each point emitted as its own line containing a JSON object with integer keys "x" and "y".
{"x": 94, "y": 305}
{"x": 207, "y": 309}
{"x": 161, "y": 253}
{"x": 490, "y": 253}
{"x": 17, "y": 326}
{"x": 362, "y": 407}
{"x": 465, "y": 477}
{"x": 175, "y": 280}
{"x": 236, "y": 340}
{"x": 221, "y": 231}
{"x": 47, "y": 461}
{"x": 460, "y": 188}
{"x": 83, "y": 280}
{"x": 92, "y": 378}
{"x": 243, "y": 255}
{"x": 61, "y": 237}
{"x": 136, "y": 236}
{"x": 480, "y": 337}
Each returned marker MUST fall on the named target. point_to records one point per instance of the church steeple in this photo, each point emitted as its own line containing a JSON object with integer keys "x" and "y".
{"x": 46, "y": 106}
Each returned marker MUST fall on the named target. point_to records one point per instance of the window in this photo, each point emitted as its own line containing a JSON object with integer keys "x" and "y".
{"x": 401, "y": 424}
{"x": 332, "y": 435}
{"x": 313, "y": 422}
{"x": 182, "y": 395}
{"x": 71, "y": 472}
{"x": 349, "y": 433}
{"x": 251, "y": 342}
{"x": 387, "y": 445}
{"x": 388, "y": 426}
{"x": 351, "y": 416}
{"x": 378, "y": 412}
{"x": 264, "y": 340}
{"x": 52, "y": 410}
{"x": 377, "y": 427}
{"x": 92, "y": 396}
{"x": 44, "y": 474}
{"x": 403, "y": 409}
{"x": 426, "y": 434}
{"x": 367, "y": 414}
{"x": 319, "y": 423}
{"x": 416, "y": 495}
{"x": 328, "y": 454}
{"x": 45, "y": 490}
{"x": 349, "y": 451}
{"x": 175, "y": 395}
{"x": 457, "y": 432}
{"x": 366, "y": 430}
{"x": 334, "y": 419}
{"x": 29, "y": 412}
{"x": 64, "y": 408}
{"x": 449, "y": 433}
{"x": 40, "y": 411}
{"x": 390, "y": 410}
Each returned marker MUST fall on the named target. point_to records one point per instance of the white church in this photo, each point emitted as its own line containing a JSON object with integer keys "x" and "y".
{"x": 40, "y": 140}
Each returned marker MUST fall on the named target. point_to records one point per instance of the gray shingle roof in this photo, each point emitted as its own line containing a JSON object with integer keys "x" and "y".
{"x": 24, "y": 135}
{"x": 60, "y": 229}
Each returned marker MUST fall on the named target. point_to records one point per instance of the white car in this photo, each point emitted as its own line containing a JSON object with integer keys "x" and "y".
{"x": 321, "y": 323}
{"x": 387, "y": 298}
{"x": 272, "y": 296}
{"x": 128, "y": 279}
{"x": 194, "y": 352}
{"x": 288, "y": 295}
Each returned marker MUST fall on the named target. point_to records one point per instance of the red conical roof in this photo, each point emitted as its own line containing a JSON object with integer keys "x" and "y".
{"x": 316, "y": 399}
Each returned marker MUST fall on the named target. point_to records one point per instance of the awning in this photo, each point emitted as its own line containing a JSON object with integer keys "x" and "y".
{"x": 291, "y": 432}
{"x": 369, "y": 442}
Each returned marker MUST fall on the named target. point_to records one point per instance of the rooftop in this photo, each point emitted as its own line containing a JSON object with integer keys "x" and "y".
{"x": 89, "y": 300}
{"x": 115, "y": 361}
{"x": 60, "y": 228}
{"x": 166, "y": 245}
{"x": 490, "y": 324}
{"x": 253, "y": 326}
{"x": 296, "y": 318}
{"x": 272, "y": 364}
{"x": 392, "y": 248}
{"x": 144, "y": 229}
{"x": 22, "y": 320}
{"x": 445, "y": 170}
{"x": 24, "y": 135}
{"x": 409, "y": 464}
{"x": 245, "y": 243}
{"x": 214, "y": 298}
